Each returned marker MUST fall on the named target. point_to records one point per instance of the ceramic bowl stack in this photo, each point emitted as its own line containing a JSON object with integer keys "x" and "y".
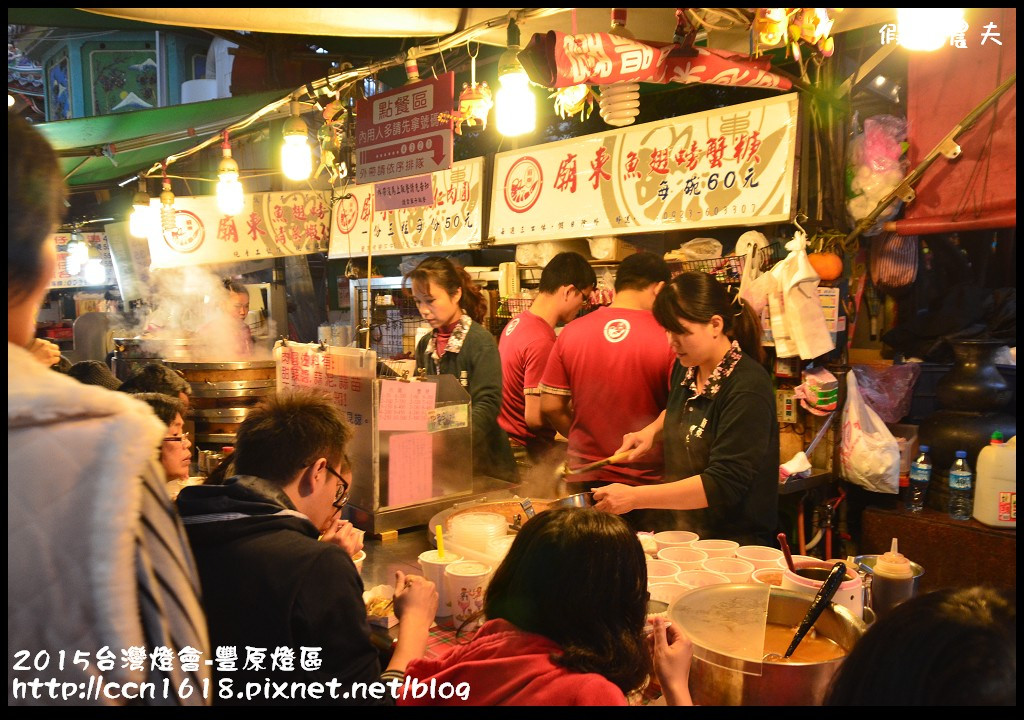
{"x": 476, "y": 530}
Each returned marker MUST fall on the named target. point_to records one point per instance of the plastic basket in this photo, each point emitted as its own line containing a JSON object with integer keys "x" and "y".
{"x": 512, "y": 306}
{"x": 729, "y": 269}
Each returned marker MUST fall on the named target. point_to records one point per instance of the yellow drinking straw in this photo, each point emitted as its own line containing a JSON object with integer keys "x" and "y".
{"x": 440, "y": 541}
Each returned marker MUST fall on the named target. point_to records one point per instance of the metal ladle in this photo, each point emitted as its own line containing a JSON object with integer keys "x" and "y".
{"x": 824, "y": 596}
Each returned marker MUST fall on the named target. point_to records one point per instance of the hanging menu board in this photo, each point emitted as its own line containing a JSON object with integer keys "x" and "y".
{"x": 270, "y": 225}
{"x": 64, "y": 279}
{"x": 452, "y": 221}
{"x": 731, "y": 166}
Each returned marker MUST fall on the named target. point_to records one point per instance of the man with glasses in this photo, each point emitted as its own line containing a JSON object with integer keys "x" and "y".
{"x": 268, "y": 583}
{"x": 565, "y": 284}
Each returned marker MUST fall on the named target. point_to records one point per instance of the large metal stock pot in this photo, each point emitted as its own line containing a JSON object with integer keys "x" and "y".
{"x": 718, "y": 679}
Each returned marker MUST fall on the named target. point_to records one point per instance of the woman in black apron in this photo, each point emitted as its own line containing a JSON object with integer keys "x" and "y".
{"x": 720, "y": 432}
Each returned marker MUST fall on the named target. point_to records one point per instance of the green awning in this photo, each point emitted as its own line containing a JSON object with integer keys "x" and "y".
{"x": 111, "y": 147}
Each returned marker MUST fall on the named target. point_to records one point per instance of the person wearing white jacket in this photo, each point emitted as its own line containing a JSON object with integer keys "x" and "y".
{"x": 98, "y": 567}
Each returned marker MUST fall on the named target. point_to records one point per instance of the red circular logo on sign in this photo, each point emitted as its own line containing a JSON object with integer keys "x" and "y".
{"x": 522, "y": 184}
{"x": 188, "y": 233}
{"x": 347, "y": 214}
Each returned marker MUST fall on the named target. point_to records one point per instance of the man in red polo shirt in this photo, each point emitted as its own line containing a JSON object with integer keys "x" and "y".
{"x": 609, "y": 371}
{"x": 526, "y": 341}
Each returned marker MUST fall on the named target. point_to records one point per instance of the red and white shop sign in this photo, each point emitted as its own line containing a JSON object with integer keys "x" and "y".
{"x": 725, "y": 167}
{"x": 399, "y": 133}
{"x": 270, "y": 225}
{"x": 453, "y": 220}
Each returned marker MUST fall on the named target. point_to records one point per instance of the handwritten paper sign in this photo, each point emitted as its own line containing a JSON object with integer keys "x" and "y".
{"x": 333, "y": 373}
{"x": 410, "y": 467}
{"x": 731, "y": 166}
{"x": 404, "y": 405}
{"x": 401, "y": 194}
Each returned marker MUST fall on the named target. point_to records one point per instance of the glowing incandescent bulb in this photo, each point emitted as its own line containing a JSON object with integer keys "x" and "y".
{"x": 620, "y": 102}
{"x": 515, "y": 107}
{"x": 141, "y": 220}
{"x": 230, "y": 196}
{"x": 296, "y": 157}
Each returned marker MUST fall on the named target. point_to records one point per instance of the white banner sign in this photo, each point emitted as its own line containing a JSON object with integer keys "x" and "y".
{"x": 271, "y": 225}
{"x": 732, "y": 166}
{"x": 453, "y": 221}
{"x": 63, "y": 278}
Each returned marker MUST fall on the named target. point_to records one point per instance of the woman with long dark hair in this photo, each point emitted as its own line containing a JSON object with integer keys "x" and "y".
{"x": 449, "y": 300}
{"x": 565, "y": 617}
{"x": 720, "y": 432}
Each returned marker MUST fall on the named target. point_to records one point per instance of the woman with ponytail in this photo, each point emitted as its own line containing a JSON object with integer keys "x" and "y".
{"x": 449, "y": 300}
{"x": 720, "y": 432}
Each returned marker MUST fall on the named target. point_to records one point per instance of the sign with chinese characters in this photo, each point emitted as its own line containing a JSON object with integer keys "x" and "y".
{"x": 270, "y": 225}
{"x": 731, "y": 166}
{"x": 401, "y": 194}
{"x": 399, "y": 133}
{"x": 64, "y": 279}
{"x": 453, "y": 220}
{"x": 330, "y": 372}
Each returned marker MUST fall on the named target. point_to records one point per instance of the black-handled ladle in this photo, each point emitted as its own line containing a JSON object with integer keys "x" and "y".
{"x": 824, "y": 596}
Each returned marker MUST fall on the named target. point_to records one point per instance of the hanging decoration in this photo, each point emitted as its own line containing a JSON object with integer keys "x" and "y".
{"x": 813, "y": 26}
{"x": 330, "y": 136}
{"x": 556, "y": 60}
{"x": 475, "y": 100}
{"x": 770, "y": 27}
{"x": 575, "y": 99}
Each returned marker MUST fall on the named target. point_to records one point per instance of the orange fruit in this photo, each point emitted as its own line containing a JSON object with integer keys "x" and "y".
{"x": 829, "y": 266}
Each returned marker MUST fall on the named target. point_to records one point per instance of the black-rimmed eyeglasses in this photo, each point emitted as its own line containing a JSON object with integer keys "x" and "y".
{"x": 177, "y": 438}
{"x": 341, "y": 497}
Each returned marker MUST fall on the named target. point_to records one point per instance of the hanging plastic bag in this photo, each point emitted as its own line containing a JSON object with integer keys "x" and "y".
{"x": 870, "y": 454}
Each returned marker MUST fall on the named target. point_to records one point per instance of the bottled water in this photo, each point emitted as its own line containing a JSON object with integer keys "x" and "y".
{"x": 960, "y": 480}
{"x": 920, "y": 476}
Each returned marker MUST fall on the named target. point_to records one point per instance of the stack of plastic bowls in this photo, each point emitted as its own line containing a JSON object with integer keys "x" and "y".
{"x": 475, "y": 530}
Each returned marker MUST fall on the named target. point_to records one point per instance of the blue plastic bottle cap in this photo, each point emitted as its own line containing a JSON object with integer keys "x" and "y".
{"x": 924, "y": 448}
{"x": 961, "y": 453}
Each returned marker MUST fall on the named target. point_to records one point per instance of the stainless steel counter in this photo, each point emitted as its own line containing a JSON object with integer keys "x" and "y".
{"x": 383, "y": 558}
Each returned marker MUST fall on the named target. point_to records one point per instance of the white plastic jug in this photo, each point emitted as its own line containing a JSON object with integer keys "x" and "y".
{"x": 995, "y": 495}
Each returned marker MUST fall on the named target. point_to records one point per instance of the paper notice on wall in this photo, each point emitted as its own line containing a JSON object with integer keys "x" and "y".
{"x": 410, "y": 468}
{"x": 404, "y": 405}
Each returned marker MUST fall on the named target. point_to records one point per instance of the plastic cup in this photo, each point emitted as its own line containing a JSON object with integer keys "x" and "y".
{"x": 850, "y": 593}
{"x": 717, "y": 548}
{"x": 673, "y": 538}
{"x": 768, "y": 576}
{"x": 760, "y": 556}
{"x": 684, "y": 558}
{"x": 665, "y": 592}
{"x": 358, "y": 560}
{"x": 660, "y": 571}
{"x": 467, "y": 583}
{"x": 433, "y": 568}
{"x": 738, "y": 571}
{"x": 692, "y": 579}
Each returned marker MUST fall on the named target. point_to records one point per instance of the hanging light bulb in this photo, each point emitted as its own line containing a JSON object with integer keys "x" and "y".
{"x": 168, "y": 221}
{"x": 93, "y": 270}
{"x": 296, "y": 158}
{"x": 141, "y": 220}
{"x": 927, "y": 29}
{"x": 77, "y": 252}
{"x": 516, "y": 108}
{"x": 230, "y": 195}
{"x": 620, "y": 102}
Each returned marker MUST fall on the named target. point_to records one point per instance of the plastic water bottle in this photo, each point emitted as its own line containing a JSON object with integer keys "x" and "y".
{"x": 920, "y": 476}
{"x": 960, "y": 480}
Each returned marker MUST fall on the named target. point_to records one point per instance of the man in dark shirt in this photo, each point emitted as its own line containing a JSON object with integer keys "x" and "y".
{"x": 283, "y": 606}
